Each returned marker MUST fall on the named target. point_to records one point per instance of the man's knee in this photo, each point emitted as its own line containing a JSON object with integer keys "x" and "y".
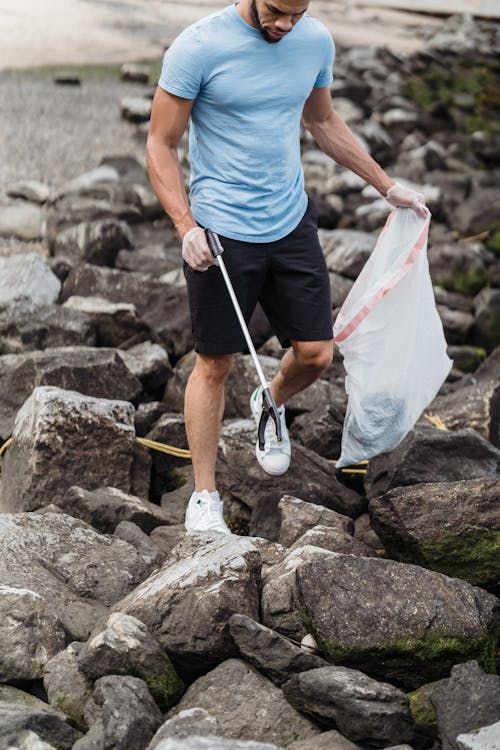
{"x": 314, "y": 355}
{"x": 213, "y": 367}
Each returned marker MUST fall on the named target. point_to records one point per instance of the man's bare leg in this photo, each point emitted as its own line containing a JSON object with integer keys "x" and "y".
{"x": 203, "y": 410}
{"x": 300, "y": 366}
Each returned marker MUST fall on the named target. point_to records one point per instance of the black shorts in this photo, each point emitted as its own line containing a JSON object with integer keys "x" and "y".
{"x": 288, "y": 277}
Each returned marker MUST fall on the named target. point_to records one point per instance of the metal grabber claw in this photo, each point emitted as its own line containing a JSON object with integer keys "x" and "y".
{"x": 269, "y": 408}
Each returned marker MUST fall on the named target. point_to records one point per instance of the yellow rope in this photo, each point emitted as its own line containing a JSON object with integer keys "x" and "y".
{"x": 5, "y": 445}
{"x": 171, "y": 450}
{"x": 436, "y": 421}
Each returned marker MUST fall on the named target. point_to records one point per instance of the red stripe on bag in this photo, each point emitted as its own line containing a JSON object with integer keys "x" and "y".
{"x": 395, "y": 279}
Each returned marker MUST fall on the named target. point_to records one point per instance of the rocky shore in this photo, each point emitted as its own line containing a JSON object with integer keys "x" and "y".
{"x": 345, "y": 611}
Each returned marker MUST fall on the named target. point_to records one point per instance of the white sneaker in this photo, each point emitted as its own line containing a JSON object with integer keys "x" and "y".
{"x": 204, "y": 513}
{"x": 275, "y": 458}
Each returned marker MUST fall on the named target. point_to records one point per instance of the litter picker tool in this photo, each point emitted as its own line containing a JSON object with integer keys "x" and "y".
{"x": 269, "y": 408}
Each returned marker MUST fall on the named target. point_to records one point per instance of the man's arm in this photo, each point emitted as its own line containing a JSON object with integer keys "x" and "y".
{"x": 169, "y": 120}
{"x": 334, "y": 138}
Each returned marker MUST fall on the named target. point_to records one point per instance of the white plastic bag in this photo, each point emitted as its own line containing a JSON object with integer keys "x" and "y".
{"x": 392, "y": 340}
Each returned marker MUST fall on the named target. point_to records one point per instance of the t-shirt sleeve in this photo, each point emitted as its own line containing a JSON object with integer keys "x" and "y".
{"x": 325, "y": 76}
{"x": 182, "y": 69}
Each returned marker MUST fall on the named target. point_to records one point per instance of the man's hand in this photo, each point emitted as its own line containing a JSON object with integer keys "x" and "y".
{"x": 397, "y": 195}
{"x": 195, "y": 250}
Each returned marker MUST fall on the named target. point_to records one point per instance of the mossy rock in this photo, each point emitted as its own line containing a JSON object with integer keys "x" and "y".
{"x": 424, "y": 716}
{"x": 168, "y": 689}
{"x": 469, "y": 281}
{"x": 473, "y": 556}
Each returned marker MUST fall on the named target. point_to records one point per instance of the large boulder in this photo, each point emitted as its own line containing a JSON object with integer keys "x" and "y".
{"x": 28, "y": 279}
{"x": 33, "y": 724}
{"x": 279, "y": 599}
{"x": 193, "y": 722}
{"x": 297, "y": 517}
{"x": 162, "y": 306}
{"x": 123, "y": 645}
{"x": 115, "y": 323}
{"x": 93, "y": 372}
{"x": 24, "y": 329}
{"x": 451, "y": 527}
{"x": 62, "y": 438}
{"x": 106, "y": 507}
{"x": 396, "y": 622}
{"x": 363, "y": 709}
{"x": 468, "y": 700}
{"x": 475, "y": 406}
{"x": 129, "y": 715}
{"x": 432, "y": 455}
{"x": 188, "y": 602}
{"x": 77, "y": 572}
{"x": 269, "y": 652}
{"x": 247, "y": 705}
{"x": 67, "y": 688}
{"x": 346, "y": 250}
{"x": 30, "y": 634}
{"x": 95, "y": 242}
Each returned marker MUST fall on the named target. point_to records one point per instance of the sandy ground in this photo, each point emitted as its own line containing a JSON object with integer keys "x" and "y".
{"x": 58, "y": 32}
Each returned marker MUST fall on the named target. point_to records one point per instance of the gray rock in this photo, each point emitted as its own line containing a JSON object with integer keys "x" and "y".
{"x": 361, "y": 708}
{"x": 490, "y": 368}
{"x": 398, "y": 622}
{"x": 364, "y": 533}
{"x": 450, "y": 262}
{"x": 30, "y": 634}
{"x": 163, "y": 307}
{"x": 149, "y": 363}
{"x": 486, "y": 738}
{"x": 91, "y": 372}
{"x": 105, "y": 507}
{"x": 114, "y": 322}
{"x": 45, "y": 722}
{"x": 340, "y": 287}
{"x": 320, "y": 430}
{"x": 27, "y": 278}
{"x": 146, "y": 415}
{"x": 268, "y": 651}
{"x": 215, "y": 577}
{"x": 129, "y": 714}
{"x": 157, "y": 260}
{"x": 145, "y": 546}
{"x": 466, "y": 358}
{"x": 334, "y": 540}
{"x": 167, "y": 537}
{"x": 104, "y": 173}
{"x": 93, "y": 740}
{"x": 468, "y": 700}
{"x": 22, "y": 220}
{"x": 279, "y": 604}
{"x": 486, "y": 329}
{"x": 23, "y": 329}
{"x": 346, "y": 250}
{"x": 78, "y": 572}
{"x": 451, "y": 527}
{"x": 191, "y": 722}
{"x": 331, "y": 740}
{"x": 135, "y": 109}
{"x": 24, "y": 740}
{"x": 310, "y": 477}
{"x": 213, "y": 743}
{"x": 95, "y": 242}
{"x": 68, "y": 689}
{"x": 134, "y": 72}
{"x": 123, "y": 645}
{"x": 95, "y": 442}
{"x": 246, "y": 705}
{"x": 457, "y": 324}
{"x": 30, "y": 190}
{"x": 298, "y": 516}
{"x": 431, "y": 455}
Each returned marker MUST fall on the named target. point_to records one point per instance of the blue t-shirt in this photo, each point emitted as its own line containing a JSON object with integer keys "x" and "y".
{"x": 247, "y": 181}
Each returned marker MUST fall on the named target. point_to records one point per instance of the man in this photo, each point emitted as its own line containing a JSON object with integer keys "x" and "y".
{"x": 246, "y": 76}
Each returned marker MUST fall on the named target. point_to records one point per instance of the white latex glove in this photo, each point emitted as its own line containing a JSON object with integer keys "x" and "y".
{"x": 195, "y": 250}
{"x": 398, "y": 195}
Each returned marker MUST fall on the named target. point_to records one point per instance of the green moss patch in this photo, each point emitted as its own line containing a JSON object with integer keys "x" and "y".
{"x": 473, "y": 556}
{"x": 167, "y": 689}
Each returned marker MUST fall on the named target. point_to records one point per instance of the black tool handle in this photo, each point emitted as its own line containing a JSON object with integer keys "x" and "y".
{"x": 212, "y": 243}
